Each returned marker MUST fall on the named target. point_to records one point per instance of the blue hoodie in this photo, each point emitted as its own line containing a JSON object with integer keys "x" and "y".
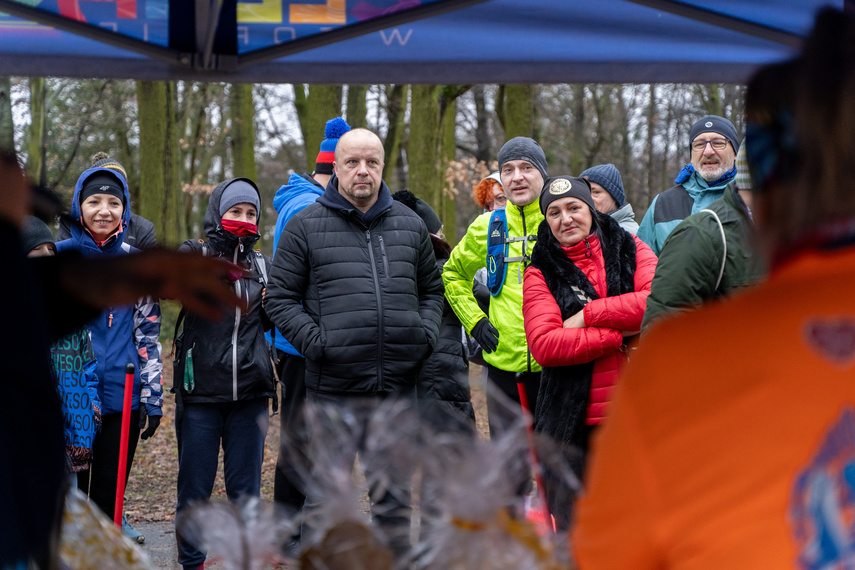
{"x": 290, "y": 199}
{"x": 120, "y": 335}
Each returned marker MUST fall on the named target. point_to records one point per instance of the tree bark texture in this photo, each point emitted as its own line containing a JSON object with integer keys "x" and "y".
{"x": 159, "y": 191}
{"x": 36, "y": 144}
{"x": 243, "y": 130}
{"x": 356, "y": 106}
{"x": 7, "y": 124}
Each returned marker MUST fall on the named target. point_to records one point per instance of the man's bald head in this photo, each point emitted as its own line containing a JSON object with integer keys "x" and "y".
{"x": 359, "y": 137}
{"x": 359, "y": 167}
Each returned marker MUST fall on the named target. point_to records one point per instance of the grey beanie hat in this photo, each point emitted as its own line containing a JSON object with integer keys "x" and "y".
{"x": 34, "y": 233}
{"x": 238, "y": 192}
{"x": 607, "y": 176}
{"x": 715, "y": 124}
{"x": 524, "y": 148}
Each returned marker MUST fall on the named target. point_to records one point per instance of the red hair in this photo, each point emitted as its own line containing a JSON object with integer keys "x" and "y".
{"x": 483, "y": 192}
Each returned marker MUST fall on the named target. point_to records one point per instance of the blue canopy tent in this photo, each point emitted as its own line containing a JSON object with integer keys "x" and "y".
{"x": 402, "y": 41}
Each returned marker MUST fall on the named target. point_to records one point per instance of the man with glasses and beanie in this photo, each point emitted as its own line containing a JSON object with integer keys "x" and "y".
{"x": 714, "y": 144}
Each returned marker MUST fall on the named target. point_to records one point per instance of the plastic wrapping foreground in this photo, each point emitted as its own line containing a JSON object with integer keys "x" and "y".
{"x": 463, "y": 508}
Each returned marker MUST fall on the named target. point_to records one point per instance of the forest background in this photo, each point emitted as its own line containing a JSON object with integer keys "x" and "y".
{"x": 177, "y": 140}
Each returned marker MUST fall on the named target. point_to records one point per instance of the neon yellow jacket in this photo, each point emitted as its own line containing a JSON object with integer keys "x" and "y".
{"x": 506, "y": 308}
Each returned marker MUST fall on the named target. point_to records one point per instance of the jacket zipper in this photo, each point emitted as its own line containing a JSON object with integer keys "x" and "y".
{"x": 110, "y": 319}
{"x": 379, "y": 308}
{"x": 383, "y": 253}
{"x": 239, "y": 248}
{"x": 521, "y": 265}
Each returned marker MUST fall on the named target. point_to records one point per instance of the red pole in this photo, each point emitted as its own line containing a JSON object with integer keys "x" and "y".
{"x": 123, "y": 444}
{"x": 529, "y": 430}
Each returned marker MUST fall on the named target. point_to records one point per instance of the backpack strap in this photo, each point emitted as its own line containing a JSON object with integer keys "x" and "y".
{"x": 178, "y": 322}
{"x": 723, "y": 243}
{"x": 497, "y": 251}
{"x": 258, "y": 260}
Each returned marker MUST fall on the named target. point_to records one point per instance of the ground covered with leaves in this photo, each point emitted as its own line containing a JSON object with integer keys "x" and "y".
{"x": 151, "y": 492}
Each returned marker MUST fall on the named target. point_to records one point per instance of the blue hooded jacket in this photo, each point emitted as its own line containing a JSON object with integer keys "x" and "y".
{"x": 290, "y": 199}
{"x": 120, "y": 335}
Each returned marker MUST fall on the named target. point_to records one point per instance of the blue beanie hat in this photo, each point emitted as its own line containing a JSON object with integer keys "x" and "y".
{"x": 607, "y": 176}
{"x": 332, "y": 132}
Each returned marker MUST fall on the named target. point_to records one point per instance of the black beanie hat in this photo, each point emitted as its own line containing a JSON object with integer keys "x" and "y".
{"x": 715, "y": 124}
{"x": 559, "y": 187}
{"x": 34, "y": 233}
{"x": 102, "y": 182}
{"x": 420, "y": 207}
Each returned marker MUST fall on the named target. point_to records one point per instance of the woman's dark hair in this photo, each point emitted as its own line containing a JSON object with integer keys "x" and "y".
{"x": 806, "y": 117}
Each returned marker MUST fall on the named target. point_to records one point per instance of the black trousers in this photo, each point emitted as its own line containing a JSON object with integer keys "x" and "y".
{"x": 102, "y": 477}
{"x": 288, "y": 489}
{"x": 502, "y": 418}
{"x": 560, "y": 496}
{"x": 499, "y": 416}
{"x": 390, "y": 502}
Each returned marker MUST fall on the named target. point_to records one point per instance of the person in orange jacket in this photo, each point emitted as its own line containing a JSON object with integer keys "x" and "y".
{"x": 740, "y": 453}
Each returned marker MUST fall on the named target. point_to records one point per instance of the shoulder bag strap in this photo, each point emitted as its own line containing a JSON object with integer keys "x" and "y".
{"x": 723, "y": 243}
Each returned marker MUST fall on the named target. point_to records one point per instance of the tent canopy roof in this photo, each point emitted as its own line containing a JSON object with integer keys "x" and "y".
{"x": 403, "y": 41}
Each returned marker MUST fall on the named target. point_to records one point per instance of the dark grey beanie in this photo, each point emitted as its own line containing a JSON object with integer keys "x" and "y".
{"x": 239, "y": 192}
{"x": 524, "y": 148}
{"x": 34, "y": 233}
{"x": 715, "y": 124}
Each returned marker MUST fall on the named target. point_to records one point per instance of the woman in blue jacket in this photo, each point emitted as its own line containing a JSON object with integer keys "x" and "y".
{"x": 120, "y": 335}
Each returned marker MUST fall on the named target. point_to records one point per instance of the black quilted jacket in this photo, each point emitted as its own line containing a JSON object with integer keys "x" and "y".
{"x": 359, "y": 295}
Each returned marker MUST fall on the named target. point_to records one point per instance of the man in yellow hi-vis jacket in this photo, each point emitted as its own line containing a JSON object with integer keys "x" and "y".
{"x": 523, "y": 168}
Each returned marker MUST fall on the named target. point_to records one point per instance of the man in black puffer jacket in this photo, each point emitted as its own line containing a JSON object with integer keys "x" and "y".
{"x": 355, "y": 288}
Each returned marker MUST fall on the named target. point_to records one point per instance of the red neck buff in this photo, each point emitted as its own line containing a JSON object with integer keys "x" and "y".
{"x": 240, "y": 229}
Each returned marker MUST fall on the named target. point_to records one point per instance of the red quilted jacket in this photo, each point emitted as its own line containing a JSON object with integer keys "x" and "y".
{"x": 608, "y": 320}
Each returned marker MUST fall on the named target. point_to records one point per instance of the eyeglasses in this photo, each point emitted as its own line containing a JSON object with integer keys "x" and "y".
{"x": 717, "y": 144}
{"x": 500, "y": 199}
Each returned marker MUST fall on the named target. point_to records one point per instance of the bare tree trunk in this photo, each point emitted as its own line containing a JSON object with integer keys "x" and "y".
{"x": 7, "y": 124}
{"x": 519, "y": 111}
{"x": 175, "y": 231}
{"x": 356, "y": 106}
{"x": 423, "y": 145}
{"x": 652, "y": 188}
{"x": 483, "y": 149}
{"x": 448, "y": 211}
{"x": 625, "y": 144}
{"x": 123, "y": 151}
{"x": 396, "y": 103}
{"x": 243, "y": 130}
{"x": 36, "y": 145}
{"x": 577, "y": 137}
{"x": 321, "y": 104}
{"x": 159, "y": 191}
{"x": 499, "y": 105}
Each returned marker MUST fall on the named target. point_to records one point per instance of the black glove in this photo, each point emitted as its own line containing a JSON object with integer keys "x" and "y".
{"x": 153, "y": 422}
{"x": 486, "y": 335}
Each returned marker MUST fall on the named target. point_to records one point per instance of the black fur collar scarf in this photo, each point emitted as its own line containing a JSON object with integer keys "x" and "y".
{"x": 568, "y": 283}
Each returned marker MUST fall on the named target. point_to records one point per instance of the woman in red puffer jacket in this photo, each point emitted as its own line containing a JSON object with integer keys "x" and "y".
{"x": 584, "y": 293}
